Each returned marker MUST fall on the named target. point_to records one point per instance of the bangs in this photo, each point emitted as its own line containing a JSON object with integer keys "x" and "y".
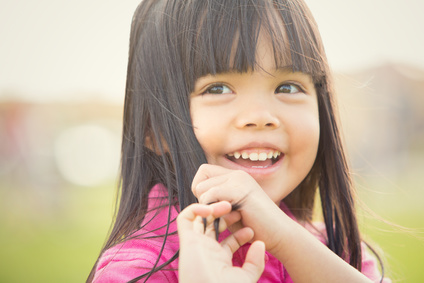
{"x": 222, "y": 36}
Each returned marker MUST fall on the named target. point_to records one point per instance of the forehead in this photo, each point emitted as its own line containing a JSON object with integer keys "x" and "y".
{"x": 264, "y": 51}
{"x": 240, "y": 38}
{"x": 265, "y": 56}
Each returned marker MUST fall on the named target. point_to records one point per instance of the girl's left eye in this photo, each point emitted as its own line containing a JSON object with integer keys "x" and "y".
{"x": 218, "y": 89}
{"x": 288, "y": 88}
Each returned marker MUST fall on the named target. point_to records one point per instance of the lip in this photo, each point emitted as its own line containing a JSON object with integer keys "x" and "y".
{"x": 257, "y": 145}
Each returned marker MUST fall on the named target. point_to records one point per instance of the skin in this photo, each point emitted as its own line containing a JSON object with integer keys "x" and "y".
{"x": 259, "y": 111}
{"x": 265, "y": 110}
{"x": 211, "y": 260}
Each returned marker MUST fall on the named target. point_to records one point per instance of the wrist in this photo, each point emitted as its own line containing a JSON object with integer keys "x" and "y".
{"x": 283, "y": 235}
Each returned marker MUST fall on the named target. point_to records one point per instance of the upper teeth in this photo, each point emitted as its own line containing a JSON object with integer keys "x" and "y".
{"x": 255, "y": 156}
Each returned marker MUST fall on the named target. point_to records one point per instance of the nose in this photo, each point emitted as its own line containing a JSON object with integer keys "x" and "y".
{"x": 259, "y": 114}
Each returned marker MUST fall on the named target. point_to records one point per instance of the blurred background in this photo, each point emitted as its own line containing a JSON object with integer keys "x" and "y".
{"x": 62, "y": 79}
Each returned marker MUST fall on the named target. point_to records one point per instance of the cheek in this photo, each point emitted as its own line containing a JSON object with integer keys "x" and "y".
{"x": 211, "y": 144}
{"x": 305, "y": 138}
{"x": 198, "y": 122}
{"x": 208, "y": 132}
{"x": 310, "y": 137}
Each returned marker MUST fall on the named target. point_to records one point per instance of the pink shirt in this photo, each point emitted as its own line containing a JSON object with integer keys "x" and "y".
{"x": 135, "y": 257}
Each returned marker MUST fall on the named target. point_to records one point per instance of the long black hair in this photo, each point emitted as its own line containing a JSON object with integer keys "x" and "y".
{"x": 172, "y": 44}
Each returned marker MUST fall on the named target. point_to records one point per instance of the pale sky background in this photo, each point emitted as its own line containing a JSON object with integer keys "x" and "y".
{"x": 55, "y": 50}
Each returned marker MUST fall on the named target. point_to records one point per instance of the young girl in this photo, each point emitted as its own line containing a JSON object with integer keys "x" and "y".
{"x": 230, "y": 124}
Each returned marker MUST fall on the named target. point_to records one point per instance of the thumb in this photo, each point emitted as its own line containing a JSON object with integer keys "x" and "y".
{"x": 254, "y": 263}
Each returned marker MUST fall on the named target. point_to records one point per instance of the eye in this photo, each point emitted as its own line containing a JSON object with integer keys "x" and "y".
{"x": 218, "y": 89}
{"x": 288, "y": 88}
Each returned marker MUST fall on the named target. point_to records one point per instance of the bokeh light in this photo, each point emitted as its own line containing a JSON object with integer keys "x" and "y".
{"x": 87, "y": 154}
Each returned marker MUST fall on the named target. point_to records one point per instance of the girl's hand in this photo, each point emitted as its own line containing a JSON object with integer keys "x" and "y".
{"x": 215, "y": 183}
{"x": 288, "y": 241}
{"x": 203, "y": 259}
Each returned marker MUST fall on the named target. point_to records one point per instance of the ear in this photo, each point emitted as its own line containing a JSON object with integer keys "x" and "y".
{"x": 151, "y": 143}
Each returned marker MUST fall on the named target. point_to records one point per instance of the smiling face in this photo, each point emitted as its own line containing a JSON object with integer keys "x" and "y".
{"x": 264, "y": 122}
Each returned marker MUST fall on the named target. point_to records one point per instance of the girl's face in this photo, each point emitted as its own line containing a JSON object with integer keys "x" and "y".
{"x": 264, "y": 122}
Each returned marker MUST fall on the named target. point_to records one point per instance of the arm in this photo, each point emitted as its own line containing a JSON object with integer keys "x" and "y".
{"x": 308, "y": 260}
{"x": 305, "y": 257}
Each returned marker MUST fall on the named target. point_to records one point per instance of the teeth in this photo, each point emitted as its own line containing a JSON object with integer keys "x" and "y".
{"x": 255, "y": 156}
{"x": 262, "y": 156}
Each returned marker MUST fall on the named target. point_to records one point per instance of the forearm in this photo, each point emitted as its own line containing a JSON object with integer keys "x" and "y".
{"x": 308, "y": 260}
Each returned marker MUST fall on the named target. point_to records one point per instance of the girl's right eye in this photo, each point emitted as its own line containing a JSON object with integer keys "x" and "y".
{"x": 218, "y": 89}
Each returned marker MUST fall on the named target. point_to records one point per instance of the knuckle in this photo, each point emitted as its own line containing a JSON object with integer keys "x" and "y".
{"x": 202, "y": 199}
{"x": 194, "y": 190}
{"x": 186, "y": 211}
{"x": 203, "y": 167}
{"x": 180, "y": 218}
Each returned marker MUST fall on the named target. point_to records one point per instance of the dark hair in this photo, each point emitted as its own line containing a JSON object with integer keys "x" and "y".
{"x": 172, "y": 44}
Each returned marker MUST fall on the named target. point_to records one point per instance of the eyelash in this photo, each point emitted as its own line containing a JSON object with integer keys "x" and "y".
{"x": 298, "y": 87}
{"x": 207, "y": 91}
{"x": 229, "y": 91}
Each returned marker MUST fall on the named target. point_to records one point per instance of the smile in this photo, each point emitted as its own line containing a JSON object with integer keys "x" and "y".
{"x": 255, "y": 158}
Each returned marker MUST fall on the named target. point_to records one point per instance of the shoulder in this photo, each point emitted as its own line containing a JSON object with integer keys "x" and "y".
{"x": 133, "y": 258}
{"x": 139, "y": 253}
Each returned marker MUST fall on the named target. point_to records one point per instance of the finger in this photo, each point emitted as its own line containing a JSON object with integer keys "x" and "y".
{"x": 220, "y": 208}
{"x": 223, "y": 222}
{"x": 230, "y": 221}
{"x": 254, "y": 263}
{"x": 235, "y": 227}
{"x": 209, "y": 183}
{"x": 207, "y": 171}
{"x": 212, "y": 224}
{"x": 233, "y": 242}
{"x": 199, "y": 224}
{"x": 209, "y": 226}
{"x": 231, "y": 218}
{"x": 230, "y": 192}
{"x": 188, "y": 215}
